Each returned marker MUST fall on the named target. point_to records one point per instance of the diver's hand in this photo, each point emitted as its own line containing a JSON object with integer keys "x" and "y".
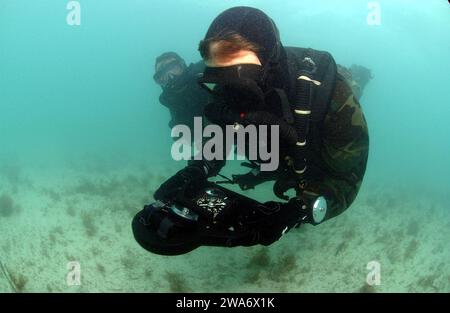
{"x": 285, "y": 217}
{"x": 220, "y": 113}
{"x": 246, "y": 181}
{"x": 284, "y": 183}
{"x": 253, "y": 178}
{"x": 182, "y": 182}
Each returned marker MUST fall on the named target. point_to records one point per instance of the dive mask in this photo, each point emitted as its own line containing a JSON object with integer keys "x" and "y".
{"x": 238, "y": 84}
{"x": 167, "y": 73}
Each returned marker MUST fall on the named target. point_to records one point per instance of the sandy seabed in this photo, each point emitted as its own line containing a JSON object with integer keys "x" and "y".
{"x": 51, "y": 217}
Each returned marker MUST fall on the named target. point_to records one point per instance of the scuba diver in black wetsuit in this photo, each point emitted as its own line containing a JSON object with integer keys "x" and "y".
{"x": 324, "y": 142}
{"x": 181, "y": 94}
{"x": 186, "y": 100}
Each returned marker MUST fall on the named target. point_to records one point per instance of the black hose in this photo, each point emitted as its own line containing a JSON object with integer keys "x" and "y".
{"x": 287, "y": 132}
{"x": 222, "y": 114}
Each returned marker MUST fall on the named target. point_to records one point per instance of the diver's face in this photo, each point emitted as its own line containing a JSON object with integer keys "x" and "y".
{"x": 241, "y": 73}
{"x": 240, "y": 57}
{"x": 167, "y": 71}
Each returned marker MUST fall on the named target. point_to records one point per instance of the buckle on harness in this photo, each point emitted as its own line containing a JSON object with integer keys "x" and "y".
{"x": 303, "y": 171}
{"x": 315, "y": 82}
{"x": 303, "y": 112}
{"x": 311, "y": 63}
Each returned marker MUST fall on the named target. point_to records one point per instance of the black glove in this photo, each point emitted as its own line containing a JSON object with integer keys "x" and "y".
{"x": 182, "y": 183}
{"x": 248, "y": 181}
{"x": 285, "y": 182}
{"x": 286, "y": 216}
{"x": 220, "y": 113}
{"x": 253, "y": 178}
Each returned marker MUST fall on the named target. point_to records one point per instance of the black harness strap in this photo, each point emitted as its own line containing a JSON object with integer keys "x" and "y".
{"x": 285, "y": 106}
{"x": 315, "y": 80}
{"x": 303, "y": 110}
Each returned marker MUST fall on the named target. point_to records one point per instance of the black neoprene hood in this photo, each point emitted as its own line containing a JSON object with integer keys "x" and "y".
{"x": 170, "y": 55}
{"x": 252, "y": 24}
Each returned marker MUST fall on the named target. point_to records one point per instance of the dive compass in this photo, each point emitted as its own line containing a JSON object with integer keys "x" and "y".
{"x": 212, "y": 202}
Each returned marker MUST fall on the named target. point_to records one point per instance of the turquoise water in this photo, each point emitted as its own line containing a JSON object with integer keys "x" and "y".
{"x": 84, "y": 143}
